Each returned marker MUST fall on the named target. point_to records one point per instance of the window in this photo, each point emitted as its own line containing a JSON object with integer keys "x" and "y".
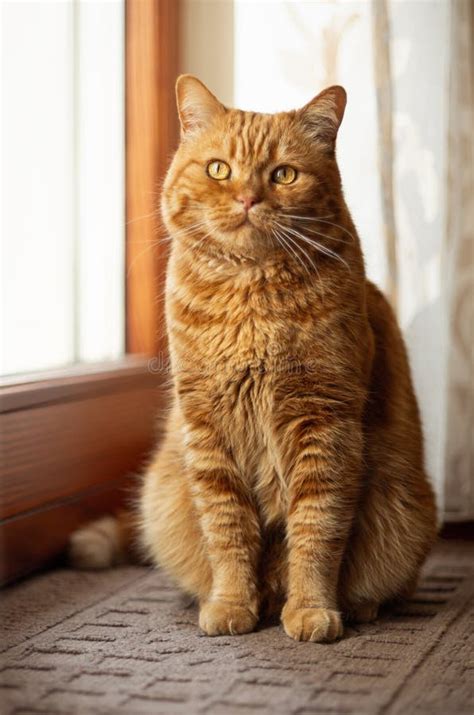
{"x": 89, "y": 125}
{"x": 63, "y": 178}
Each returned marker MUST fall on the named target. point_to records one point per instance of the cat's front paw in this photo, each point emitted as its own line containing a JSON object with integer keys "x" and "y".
{"x": 320, "y": 625}
{"x": 217, "y": 618}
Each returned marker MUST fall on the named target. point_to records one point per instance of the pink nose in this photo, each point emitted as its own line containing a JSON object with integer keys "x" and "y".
{"x": 248, "y": 200}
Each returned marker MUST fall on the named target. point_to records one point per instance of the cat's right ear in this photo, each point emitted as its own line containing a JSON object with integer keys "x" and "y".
{"x": 197, "y": 106}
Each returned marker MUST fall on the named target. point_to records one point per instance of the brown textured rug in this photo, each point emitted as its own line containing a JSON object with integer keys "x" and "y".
{"x": 123, "y": 642}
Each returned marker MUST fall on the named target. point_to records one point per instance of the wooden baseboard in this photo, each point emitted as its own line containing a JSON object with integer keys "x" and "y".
{"x": 39, "y": 538}
{"x": 463, "y": 530}
{"x": 71, "y": 445}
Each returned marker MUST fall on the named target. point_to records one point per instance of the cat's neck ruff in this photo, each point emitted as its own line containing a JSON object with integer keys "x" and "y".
{"x": 217, "y": 264}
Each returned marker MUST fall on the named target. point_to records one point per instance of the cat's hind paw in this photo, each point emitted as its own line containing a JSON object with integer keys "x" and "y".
{"x": 364, "y": 613}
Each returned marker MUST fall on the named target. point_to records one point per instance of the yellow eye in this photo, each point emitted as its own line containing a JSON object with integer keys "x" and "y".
{"x": 218, "y": 170}
{"x": 284, "y": 175}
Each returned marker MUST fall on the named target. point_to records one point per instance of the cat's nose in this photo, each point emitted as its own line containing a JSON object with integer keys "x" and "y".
{"x": 248, "y": 200}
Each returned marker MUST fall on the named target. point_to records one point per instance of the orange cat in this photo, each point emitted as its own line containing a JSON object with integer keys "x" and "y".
{"x": 291, "y": 474}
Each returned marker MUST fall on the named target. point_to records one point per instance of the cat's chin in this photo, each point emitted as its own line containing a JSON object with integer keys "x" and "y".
{"x": 245, "y": 231}
{"x": 247, "y": 236}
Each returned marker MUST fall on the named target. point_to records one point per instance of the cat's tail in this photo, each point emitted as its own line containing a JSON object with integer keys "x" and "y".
{"x": 105, "y": 542}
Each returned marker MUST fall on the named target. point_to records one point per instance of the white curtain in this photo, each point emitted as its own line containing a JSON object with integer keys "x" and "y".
{"x": 459, "y": 268}
{"x": 405, "y": 151}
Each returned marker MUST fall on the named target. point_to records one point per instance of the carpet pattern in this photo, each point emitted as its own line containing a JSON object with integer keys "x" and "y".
{"x": 123, "y": 641}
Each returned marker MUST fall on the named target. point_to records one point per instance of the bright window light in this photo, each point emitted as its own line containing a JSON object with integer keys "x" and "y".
{"x": 62, "y": 269}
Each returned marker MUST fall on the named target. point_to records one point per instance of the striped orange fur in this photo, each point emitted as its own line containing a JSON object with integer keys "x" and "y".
{"x": 291, "y": 475}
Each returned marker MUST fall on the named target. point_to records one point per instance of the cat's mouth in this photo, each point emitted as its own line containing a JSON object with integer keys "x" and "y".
{"x": 245, "y": 228}
{"x": 245, "y": 221}
{"x": 242, "y": 223}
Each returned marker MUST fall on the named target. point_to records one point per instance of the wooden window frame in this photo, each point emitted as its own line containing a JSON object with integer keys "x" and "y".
{"x": 71, "y": 438}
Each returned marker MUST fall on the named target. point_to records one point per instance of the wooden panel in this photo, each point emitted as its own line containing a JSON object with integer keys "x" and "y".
{"x": 151, "y": 136}
{"x": 73, "y": 382}
{"x": 67, "y": 441}
{"x": 462, "y": 530}
{"x": 38, "y": 538}
{"x": 53, "y": 451}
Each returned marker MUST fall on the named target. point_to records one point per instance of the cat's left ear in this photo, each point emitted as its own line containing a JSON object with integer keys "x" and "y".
{"x": 322, "y": 116}
{"x": 197, "y": 106}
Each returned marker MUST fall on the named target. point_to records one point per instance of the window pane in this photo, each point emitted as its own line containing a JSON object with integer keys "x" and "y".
{"x": 63, "y": 183}
{"x": 100, "y": 186}
{"x": 38, "y": 179}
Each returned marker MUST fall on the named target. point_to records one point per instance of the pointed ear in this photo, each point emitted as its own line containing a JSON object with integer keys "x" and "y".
{"x": 196, "y": 105}
{"x": 323, "y": 115}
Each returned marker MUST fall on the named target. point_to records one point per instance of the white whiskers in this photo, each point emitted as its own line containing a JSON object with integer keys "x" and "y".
{"x": 289, "y": 231}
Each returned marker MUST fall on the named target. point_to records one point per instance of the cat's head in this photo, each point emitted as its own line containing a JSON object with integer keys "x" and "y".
{"x": 238, "y": 177}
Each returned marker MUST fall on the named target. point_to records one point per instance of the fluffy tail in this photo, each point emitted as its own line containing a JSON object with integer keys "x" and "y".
{"x": 105, "y": 542}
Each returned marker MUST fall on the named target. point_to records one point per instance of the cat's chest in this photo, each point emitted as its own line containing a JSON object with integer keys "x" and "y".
{"x": 238, "y": 326}
{"x": 244, "y": 406}
{"x": 231, "y": 350}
